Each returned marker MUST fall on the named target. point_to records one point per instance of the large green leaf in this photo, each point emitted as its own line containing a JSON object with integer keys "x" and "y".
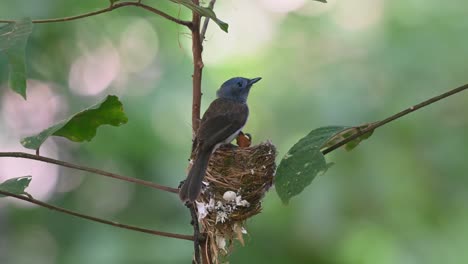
{"x": 204, "y": 11}
{"x": 13, "y": 39}
{"x": 15, "y": 185}
{"x": 83, "y": 125}
{"x": 303, "y": 162}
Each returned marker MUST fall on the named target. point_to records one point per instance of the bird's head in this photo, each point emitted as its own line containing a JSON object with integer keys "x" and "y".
{"x": 236, "y": 89}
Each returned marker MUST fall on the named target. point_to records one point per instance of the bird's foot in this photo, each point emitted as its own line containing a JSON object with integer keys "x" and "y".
{"x": 180, "y": 184}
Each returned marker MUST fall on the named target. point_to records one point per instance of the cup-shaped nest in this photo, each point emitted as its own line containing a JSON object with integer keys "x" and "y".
{"x": 236, "y": 181}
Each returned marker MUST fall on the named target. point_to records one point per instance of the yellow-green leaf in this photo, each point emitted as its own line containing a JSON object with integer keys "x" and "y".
{"x": 83, "y": 125}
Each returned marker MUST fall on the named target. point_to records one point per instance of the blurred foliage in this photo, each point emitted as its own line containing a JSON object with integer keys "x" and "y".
{"x": 400, "y": 197}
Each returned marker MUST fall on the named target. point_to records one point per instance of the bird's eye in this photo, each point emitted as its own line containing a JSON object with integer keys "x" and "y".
{"x": 239, "y": 84}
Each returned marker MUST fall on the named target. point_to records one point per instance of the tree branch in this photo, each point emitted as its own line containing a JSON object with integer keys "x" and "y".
{"x": 394, "y": 117}
{"x": 88, "y": 169}
{"x": 108, "y": 9}
{"x": 95, "y": 219}
{"x": 196, "y": 232}
{"x": 206, "y": 21}
{"x": 197, "y": 69}
{"x": 197, "y": 48}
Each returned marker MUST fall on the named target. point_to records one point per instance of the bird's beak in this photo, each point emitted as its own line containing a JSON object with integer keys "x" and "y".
{"x": 254, "y": 80}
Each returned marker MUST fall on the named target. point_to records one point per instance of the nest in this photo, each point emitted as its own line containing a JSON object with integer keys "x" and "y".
{"x": 236, "y": 182}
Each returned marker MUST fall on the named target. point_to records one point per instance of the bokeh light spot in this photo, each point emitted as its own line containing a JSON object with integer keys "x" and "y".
{"x": 250, "y": 30}
{"x": 94, "y": 71}
{"x": 44, "y": 176}
{"x": 358, "y": 15}
{"x": 38, "y": 112}
{"x": 283, "y": 6}
{"x": 138, "y": 46}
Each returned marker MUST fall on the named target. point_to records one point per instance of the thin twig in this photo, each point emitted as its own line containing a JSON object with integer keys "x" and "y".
{"x": 197, "y": 69}
{"x": 394, "y": 117}
{"x": 206, "y": 21}
{"x": 88, "y": 169}
{"x": 95, "y": 219}
{"x": 108, "y": 9}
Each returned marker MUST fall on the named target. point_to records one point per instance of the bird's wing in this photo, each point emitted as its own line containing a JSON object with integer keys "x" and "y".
{"x": 222, "y": 119}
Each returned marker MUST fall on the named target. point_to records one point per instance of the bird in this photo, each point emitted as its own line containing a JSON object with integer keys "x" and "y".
{"x": 220, "y": 124}
{"x": 244, "y": 140}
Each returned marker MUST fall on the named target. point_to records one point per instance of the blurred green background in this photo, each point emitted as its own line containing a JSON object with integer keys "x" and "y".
{"x": 401, "y": 197}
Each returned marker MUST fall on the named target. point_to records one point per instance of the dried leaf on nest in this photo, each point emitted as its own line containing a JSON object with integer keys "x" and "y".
{"x": 237, "y": 180}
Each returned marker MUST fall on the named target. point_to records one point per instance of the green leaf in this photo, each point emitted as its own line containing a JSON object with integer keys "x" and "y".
{"x": 83, "y": 125}
{"x": 204, "y": 11}
{"x": 13, "y": 39}
{"x": 15, "y": 185}
{"x": 323, "y": 1}
{"x": 303, "y": 162}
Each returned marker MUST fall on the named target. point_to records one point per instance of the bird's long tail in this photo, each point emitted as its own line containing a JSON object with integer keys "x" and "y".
{"x": 193, "y": 184}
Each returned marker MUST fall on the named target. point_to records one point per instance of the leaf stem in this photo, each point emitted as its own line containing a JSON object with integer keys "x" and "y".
{"x": 95, "y": 219}
{"x": 88, "y": 169}
{"x": 206, "y": 21}
{"x": 395, "y": 117}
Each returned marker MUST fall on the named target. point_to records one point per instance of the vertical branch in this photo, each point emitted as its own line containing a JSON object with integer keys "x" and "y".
{"x": 196, "y": 103}
{"x": 197, "y": 69}
{"x": 196, "y": 233}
